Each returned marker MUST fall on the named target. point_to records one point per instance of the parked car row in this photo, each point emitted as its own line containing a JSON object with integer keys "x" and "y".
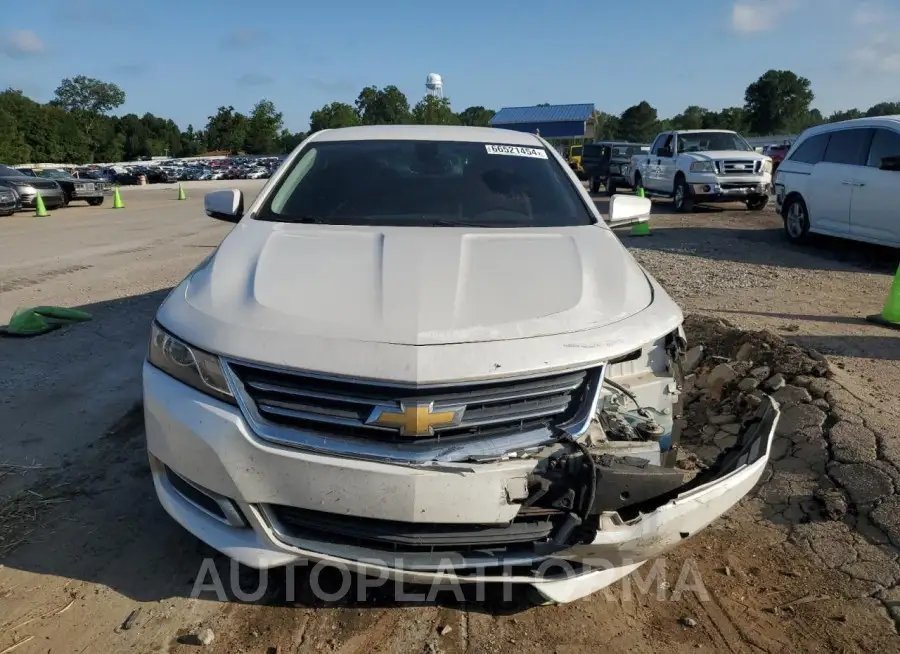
{"x": 19, "y": 189}
{"x": 175, "y": 170}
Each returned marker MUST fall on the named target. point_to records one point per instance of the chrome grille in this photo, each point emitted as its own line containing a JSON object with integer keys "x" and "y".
{"x": 342, "y": 407}
{"x": 739, "y": 166}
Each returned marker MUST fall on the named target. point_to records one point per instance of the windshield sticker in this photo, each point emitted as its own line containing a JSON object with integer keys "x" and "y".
{"x": 516, "y": 151}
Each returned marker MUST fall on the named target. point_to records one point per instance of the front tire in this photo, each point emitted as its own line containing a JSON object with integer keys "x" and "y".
{"x": 757, "y": 203}
{"x": 595, "y": 185}
{"x": 796, "y": 220}
{"x": 682, "y": 198}
{"x": 610, "y": 187}
{"x": 95, "y": 202}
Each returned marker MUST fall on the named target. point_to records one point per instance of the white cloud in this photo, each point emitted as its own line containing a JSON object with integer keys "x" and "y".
{"x": 754, "y": 16}
{"x": 869, "y": 14}
{"x": 22, "y": 43}
{"x": 876, "y": 49}
{"x": 877, "y": 58}
{"x": 748, "y": 18}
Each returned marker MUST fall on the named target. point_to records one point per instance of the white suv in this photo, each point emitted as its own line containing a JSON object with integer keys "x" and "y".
{"x": 842, "y": 180}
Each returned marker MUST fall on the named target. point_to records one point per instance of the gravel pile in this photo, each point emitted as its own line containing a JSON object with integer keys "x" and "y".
{"x": 832, "y": 478}
{"x": 729, "y": 372}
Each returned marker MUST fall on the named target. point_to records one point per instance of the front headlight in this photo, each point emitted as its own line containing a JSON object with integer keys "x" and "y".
{"x": 196, "y": 368}
{"x": 703, "y": 167}
{"x": 767, "y": 166}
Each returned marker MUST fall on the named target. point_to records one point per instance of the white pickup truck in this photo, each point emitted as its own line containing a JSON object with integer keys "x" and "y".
{"x": 703, "y": 165}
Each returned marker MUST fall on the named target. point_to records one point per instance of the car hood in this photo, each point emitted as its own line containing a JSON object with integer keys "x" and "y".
{"x": 413, "y": 286}
{"x": 723, "y": 154}
{"x": 33, "y": 182}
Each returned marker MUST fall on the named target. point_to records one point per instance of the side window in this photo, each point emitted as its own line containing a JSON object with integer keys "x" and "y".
{"x": 848, "y": 147}
{"x": 885, "y": 143}
{"x": 668, "y": 143}
{"x": 658, "y": 143}
{"x": 811, "y": 150}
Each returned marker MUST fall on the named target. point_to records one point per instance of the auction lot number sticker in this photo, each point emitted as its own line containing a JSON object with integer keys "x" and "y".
{"x": 516, "y": 151}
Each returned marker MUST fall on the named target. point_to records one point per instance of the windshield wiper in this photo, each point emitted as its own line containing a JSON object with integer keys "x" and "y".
{"x": 464, "y": 223}
{"x": 308, "y": 220}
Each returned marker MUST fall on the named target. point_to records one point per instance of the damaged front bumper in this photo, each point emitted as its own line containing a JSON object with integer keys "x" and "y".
{"x": 243, "y": 497}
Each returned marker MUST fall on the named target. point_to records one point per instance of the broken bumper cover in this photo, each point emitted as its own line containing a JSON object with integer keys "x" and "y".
{"x": 225, "y": 486}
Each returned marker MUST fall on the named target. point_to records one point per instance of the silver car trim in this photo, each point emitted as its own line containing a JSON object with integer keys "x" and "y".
{"x": 412, "y": 453}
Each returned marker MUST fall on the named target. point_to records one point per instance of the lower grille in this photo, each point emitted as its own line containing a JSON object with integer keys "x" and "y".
{"x": 527, "y": 529}
{"x": 347, "y": 408}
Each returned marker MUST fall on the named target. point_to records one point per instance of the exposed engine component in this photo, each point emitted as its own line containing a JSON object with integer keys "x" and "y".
{"x": 626, "y": 458}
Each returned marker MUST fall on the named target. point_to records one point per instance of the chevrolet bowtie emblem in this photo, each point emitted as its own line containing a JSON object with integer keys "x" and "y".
{"x": 415, "y": 419}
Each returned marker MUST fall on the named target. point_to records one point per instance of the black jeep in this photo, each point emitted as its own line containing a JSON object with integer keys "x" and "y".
{"x": 607, "y": 162}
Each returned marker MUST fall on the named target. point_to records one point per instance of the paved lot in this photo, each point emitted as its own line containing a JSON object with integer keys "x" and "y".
{"x": 96, "y": 547}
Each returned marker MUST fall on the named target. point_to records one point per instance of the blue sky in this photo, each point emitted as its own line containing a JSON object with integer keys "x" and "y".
{"x": 184, "y": 59}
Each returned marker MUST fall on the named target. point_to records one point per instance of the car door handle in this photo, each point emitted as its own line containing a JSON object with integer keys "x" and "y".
{"x": 850, "y": 182}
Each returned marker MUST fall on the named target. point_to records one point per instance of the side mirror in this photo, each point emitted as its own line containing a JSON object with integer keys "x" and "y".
{"x": 225, "y": 205}
{"x": 627, "y": 210}
{"x": 890, "y": 163}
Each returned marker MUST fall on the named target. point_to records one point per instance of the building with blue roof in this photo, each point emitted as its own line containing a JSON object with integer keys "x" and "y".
{"x": 556, "y": 122}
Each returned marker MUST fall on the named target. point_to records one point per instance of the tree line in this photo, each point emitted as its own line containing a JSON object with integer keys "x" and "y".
{"x": 77, "y": 125}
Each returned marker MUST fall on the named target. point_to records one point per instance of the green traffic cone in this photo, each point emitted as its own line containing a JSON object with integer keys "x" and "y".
{"x": 117, "y": 200}
{"x": 641, "y": 229}
{"x": 25, "y": 322}
{"x": 40, "y": 320}
{"x": 890, "y": 314}
{"x": 40, "y": 211}
{"x": 181, "y": 195}
{"x": 63, "y": 313}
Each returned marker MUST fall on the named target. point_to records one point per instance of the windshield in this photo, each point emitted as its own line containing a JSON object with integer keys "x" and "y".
{"x": 426, "y": 184}
{"x": 54, "y": 173}
{"x": 6, "y": 171}
{"x": 711, "y": 141}
{"x": 575, "y": 151}
{"x": 625, "y": 151}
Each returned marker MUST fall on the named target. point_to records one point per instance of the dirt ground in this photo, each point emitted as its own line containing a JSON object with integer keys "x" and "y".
{"x": 90, "y": 562}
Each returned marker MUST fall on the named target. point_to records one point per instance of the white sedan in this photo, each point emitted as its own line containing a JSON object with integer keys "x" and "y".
{"x": 422, "y": 354}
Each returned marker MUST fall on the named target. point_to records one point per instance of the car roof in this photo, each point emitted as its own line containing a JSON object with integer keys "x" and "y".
{"x": 701, "y": 131}
{"x": 429, "y": 133}
{"x": 873, "y": 121}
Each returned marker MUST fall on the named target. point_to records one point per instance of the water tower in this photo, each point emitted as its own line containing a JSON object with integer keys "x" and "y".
{"x": 434, "y": 85}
